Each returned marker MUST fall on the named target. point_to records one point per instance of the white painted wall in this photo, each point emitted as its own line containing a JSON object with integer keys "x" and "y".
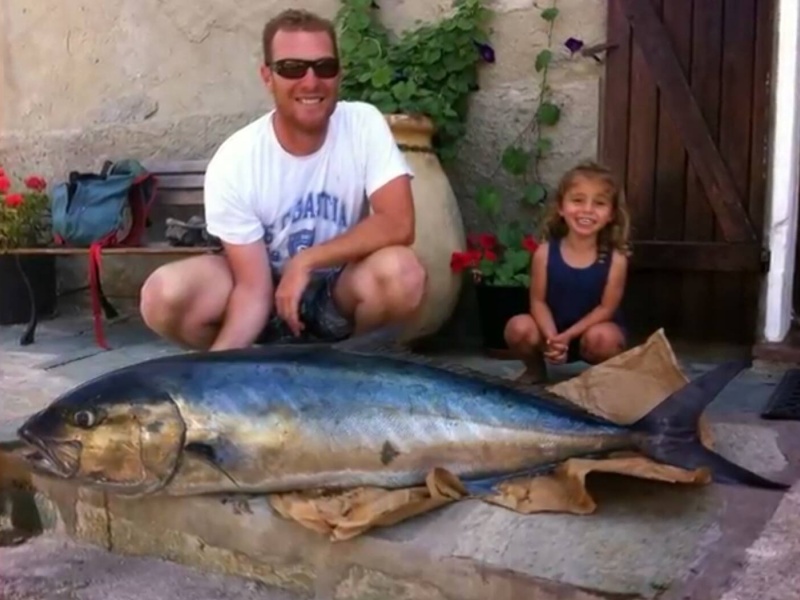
{"x": 784, "y": 158}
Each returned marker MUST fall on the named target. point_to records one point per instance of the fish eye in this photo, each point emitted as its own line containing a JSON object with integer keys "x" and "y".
{"x": 84, "y": 419}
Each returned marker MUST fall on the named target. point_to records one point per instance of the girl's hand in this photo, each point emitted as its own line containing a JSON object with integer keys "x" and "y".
{"x": 556, "y": 350}
{"x": 561, "y": 340}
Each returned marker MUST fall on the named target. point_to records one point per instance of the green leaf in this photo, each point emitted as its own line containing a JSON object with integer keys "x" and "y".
{"x": 487, "y": 267}
{"x": 488, "y": 200}
{"x": 523, "y": 279}
{"x": 505, "y": 273}
{"x": 550, "y": 14}
{"x": 510, "y": 235}
{"x": 359, "y": 20}
{"x": 543, "y": 59}
{"x": 543, "y": 146}
{"x": 548, "y": 114}
{"x": 403, "y": 90}
{"x": 438, "y": 72}
{"x": 382, "y": 77}
{"x": 464, "y": 24}
{"x": 515, "y": 160}
{"x": 518, "y": 260}
{"x": 535, "y": 194}
{"x": 432, "y": 56}
{"x": 350, "y": 42}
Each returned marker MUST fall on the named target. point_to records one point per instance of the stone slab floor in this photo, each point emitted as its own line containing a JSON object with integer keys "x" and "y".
{"x": 646, "y": 540}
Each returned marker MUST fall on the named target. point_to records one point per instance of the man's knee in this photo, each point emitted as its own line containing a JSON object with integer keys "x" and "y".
{"x": 161, "y": 298}
{"x": 174, "y": 291}
{"x": 399, "y": 276}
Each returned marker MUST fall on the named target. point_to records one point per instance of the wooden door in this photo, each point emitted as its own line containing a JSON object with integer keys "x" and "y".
{"x": 685, "y": 123}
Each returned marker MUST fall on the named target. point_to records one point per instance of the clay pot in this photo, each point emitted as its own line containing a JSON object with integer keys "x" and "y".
{"x": 439, "y": 225}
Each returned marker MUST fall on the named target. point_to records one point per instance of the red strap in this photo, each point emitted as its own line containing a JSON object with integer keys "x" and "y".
{"x": 95, "y": 262}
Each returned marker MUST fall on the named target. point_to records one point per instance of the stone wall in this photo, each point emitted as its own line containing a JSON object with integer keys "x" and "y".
{"x": 172, "y": 78}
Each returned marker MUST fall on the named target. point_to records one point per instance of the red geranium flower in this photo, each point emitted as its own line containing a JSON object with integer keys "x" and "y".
{"x": 464, "y": 260}
{"x": 36, "y": 183}
{"x": 5, "y": 183}
{"x": 530, "y": 244}
{"x": 14, "y": 200}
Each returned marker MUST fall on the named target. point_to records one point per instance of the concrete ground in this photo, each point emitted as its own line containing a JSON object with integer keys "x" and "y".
{"x": 646, "y": 539}
{"x": 50, "y": 567}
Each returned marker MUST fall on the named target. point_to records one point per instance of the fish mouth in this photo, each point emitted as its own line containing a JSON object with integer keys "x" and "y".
{"x": 54, "y": 458}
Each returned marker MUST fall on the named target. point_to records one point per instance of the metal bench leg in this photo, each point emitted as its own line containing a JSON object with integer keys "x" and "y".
{"x": 108, "y": 309}
{"x": 29, "y": 334}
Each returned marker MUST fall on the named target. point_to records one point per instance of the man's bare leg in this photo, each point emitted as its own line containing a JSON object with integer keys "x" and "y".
{"x": 386, "y": 287}
{"x": 184, "y": 301}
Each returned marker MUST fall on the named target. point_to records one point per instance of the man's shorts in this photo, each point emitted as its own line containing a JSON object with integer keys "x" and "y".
{"x": 318, "y": 313}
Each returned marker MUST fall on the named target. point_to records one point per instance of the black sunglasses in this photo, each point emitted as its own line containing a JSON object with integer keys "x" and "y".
{"x": 296, "y": 68}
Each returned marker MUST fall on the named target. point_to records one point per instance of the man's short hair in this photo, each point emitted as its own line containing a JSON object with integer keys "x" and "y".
{"x": 294, "y": 19}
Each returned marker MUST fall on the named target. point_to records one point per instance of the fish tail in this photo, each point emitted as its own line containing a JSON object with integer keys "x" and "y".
{"x": 671, "y": 430}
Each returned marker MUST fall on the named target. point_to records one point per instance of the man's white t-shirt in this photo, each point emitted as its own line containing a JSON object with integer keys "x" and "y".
{"x": 254, "y": 189}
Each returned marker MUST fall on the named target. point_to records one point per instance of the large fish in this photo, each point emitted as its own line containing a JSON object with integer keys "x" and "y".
{"x": 279, "y": 419}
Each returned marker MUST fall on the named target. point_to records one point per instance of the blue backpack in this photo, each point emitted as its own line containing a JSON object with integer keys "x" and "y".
{"x": 102, "y": 210}
{"x": 105, "y": 209}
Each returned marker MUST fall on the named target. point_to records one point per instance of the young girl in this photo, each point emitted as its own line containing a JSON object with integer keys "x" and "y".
{"x": 577, "y": 277}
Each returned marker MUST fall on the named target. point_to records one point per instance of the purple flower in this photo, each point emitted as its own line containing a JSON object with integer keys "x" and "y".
{"x": 486, "y": 51}
{"x": 573, "y": 44}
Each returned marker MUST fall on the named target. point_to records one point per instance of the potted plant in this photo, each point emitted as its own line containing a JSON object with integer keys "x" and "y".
{"x": 24, "y": 223}
{"x": 425, "y": 73}
{"x": 499, "y": 260}
{"x": 421, "y": 80}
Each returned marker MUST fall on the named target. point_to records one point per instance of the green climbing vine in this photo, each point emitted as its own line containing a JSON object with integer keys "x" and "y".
{"x": 502, "y": 256}
{"x": 522, "y": 161}
{"x": 429, "y": 70}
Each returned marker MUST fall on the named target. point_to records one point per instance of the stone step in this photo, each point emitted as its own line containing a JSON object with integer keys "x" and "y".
{"x": 644, "y": 538}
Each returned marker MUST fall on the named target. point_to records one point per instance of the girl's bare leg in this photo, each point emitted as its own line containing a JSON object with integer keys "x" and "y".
{"x": 524, "y": 339}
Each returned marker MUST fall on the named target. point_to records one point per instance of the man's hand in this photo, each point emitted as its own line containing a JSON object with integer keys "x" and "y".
{"x": 293, "y": 282}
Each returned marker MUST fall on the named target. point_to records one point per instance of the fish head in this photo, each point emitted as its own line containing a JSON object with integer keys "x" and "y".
{"x": 120, "y": 433}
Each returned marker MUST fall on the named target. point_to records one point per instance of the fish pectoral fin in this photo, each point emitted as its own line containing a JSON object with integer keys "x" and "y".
{"x": 488, "y": 485}
{"x": 202, "y": 450}
{"x": 207, "y": 453}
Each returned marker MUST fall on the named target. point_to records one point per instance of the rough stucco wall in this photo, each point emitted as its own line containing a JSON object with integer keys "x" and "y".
{"x": 172, "y": 78}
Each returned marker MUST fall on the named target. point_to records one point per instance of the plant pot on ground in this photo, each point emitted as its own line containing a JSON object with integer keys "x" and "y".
{"x": 439, "y": 228}
{"x": 421, "y": 80}
{"x": 25, "y": 223}
{"x": 15, "y": 303}
{"x": 500, "y": 268}
{"x": 497, "y": 304}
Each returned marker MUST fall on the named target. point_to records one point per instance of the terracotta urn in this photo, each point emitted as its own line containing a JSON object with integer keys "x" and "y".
{"x": 439, "y": 225}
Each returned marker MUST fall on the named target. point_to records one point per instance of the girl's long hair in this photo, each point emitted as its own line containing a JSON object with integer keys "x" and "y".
{"x": 615, "y": 235}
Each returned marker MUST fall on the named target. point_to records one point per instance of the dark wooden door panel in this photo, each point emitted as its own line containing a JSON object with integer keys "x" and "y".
{"x": 685, "y": 121}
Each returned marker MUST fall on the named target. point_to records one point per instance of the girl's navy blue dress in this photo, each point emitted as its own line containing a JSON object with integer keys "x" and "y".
{"x": 572, "y": 293}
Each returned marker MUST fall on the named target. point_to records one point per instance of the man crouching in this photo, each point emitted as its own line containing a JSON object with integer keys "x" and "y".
{"x": 286, "y": 195}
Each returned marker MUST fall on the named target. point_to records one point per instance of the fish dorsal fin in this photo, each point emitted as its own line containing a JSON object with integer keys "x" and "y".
{"x": 538, "y": 392}
{"x": 387, "y": 342}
